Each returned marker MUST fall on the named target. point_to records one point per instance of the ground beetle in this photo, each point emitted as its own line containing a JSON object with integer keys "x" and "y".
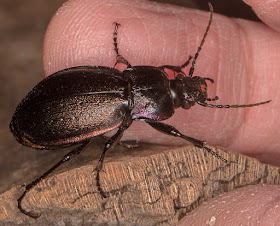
{"x": 76, "y": 104}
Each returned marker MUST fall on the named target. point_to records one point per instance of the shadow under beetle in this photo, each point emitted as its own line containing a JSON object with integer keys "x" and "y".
{"x": 76, "y": 104}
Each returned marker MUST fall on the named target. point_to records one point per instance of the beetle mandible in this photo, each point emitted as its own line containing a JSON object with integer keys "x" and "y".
{"x": 76, "y": 104}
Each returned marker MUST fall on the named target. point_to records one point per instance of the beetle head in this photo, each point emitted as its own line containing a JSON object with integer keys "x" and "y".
{"x": 187, "y": 91}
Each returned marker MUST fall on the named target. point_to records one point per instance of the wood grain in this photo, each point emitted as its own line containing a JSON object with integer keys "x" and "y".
{"x": 148, "y": 185}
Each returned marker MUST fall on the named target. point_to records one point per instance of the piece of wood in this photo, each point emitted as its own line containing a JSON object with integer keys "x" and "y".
{"x": 148, "y": 185}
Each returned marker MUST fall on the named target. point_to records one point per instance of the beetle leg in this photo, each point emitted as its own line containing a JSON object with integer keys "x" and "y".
{"x": 176, "y": 69}
{"x": 170, "y": 130}
{"x": 119, "y": 58}
{"x": 28, "y": 187}
{"x": 186, "y": 63}
{"x": 216, "y": 97}
{"x": 126, "y": 144}
{"x": 113, "y": 140}
{"x": 209, "y": 79}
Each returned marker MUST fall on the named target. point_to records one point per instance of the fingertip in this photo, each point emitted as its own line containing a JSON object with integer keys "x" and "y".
{"x": 78, "y": 34}
{"x": 81, "y": 33}
{"x": 267, "y": 11}
{"x": 251, "y": 205}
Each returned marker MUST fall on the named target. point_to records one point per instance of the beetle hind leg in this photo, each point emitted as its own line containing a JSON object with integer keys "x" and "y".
{"x": 28, "y": 187}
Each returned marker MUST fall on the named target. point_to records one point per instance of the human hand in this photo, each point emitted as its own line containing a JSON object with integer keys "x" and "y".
{"x": 241, "y": 56}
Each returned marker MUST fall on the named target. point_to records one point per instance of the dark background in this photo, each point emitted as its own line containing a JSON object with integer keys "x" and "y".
{"x": 22, "y": 27}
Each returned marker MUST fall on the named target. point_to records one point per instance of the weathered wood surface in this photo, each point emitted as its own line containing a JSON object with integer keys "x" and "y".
{"x": 148, "y": 185}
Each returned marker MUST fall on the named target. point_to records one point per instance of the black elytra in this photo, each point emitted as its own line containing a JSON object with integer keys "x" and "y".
{"x": 76, "y": 104}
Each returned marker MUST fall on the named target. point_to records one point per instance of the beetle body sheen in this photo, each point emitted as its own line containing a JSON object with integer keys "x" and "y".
{"x": 78, "y": 103}
{"x": 70, "y": 106}
{"x": 75, "y": 104}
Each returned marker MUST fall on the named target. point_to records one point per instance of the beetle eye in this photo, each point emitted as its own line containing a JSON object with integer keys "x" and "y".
{"x": 180, "y": 76}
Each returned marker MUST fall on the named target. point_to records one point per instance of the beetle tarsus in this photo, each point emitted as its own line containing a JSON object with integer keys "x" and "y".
{"x": 186, "y": 63}
{"x": 28, "y": 187}
{"x": 215, "y": 154}
{"x": 115, "y": 37}
{"x": 103, "y": 193}
{"x": 28, "y": 213}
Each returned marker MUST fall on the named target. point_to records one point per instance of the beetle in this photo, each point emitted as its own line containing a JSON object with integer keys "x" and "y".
{"x": 73, "y": 105}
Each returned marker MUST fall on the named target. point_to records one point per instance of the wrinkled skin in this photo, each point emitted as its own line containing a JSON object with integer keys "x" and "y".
{"x": 241, "y": 56}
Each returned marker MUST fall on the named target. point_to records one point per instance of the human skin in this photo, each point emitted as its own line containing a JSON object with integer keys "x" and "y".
{"x": 241, "y": 56}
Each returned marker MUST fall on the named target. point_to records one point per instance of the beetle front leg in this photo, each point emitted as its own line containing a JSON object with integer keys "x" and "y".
{"x": 28, "y": 187}
{"x": 119, "y": 58}
{"x": 170, "y": 130}
{"x": 177, "y": 69}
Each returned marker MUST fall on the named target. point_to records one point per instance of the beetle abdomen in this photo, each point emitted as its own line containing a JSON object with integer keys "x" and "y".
{"x": 70, "y": 106}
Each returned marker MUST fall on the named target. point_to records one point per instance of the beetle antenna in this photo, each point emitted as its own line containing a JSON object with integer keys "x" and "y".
{"x": 231, "y": 106}
{"x": 202, "y": 41}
